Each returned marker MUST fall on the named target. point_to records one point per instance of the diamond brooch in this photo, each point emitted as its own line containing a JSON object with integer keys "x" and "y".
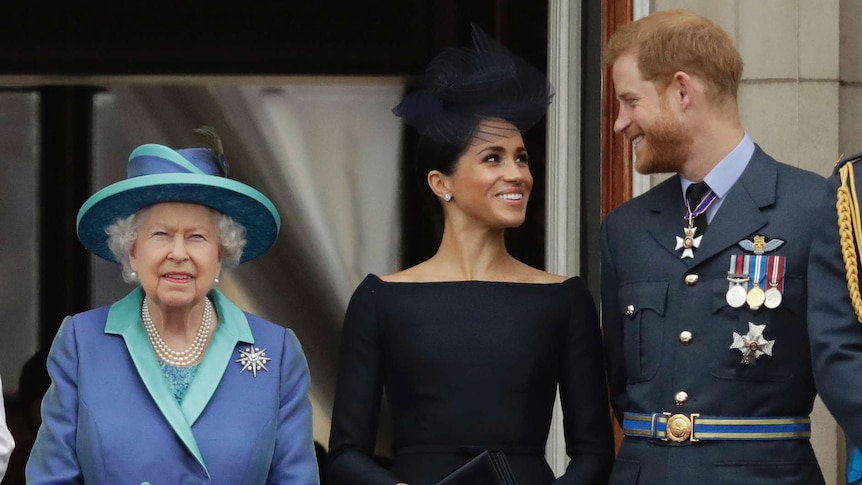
{"x": 253, "y": 359}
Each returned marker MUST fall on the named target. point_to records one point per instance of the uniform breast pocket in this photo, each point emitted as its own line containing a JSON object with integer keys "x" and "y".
{"x": 784, "y": 326}
{"x": 642, "y": 304}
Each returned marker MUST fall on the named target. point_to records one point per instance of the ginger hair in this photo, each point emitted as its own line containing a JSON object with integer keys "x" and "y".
{"x": 667, "y": 42}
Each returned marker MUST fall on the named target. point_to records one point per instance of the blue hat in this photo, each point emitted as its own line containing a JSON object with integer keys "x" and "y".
{"x": 157, "y": 174}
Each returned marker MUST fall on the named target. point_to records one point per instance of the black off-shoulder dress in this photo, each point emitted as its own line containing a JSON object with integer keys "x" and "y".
{"x": 468, "y": 366}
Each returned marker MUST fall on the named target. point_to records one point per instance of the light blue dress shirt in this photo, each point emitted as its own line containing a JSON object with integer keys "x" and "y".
{"x": 722, "y": 177}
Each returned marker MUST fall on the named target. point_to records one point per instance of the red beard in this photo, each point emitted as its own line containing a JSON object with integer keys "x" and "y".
{"x": 665, "y": 147}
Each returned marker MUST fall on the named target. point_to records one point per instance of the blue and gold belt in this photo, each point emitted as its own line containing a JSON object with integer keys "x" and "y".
{"x": 693, "y": 427}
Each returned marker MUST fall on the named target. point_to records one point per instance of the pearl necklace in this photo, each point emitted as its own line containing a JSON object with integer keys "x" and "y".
{"x": 183, "y": 358}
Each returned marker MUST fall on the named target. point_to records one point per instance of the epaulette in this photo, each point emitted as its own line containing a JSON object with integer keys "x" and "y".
{"x": 845, "y": 161}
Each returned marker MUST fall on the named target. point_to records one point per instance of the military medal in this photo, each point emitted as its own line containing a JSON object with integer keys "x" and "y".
{"x": 755, "y": 298}
{"x": 772, "y": 298}
{"x": 748, "y": 271}
{"x": 736, "y": 294}
{"x": 689, "y": 242}
{"x": 756, "y": 268}
{"x": 776, "y": 266}
{"x": 752, "y": 345}
{"x": 737, "y": 276}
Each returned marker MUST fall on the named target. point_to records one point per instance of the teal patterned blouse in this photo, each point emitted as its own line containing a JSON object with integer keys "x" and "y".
{"x": 179, "y": 379}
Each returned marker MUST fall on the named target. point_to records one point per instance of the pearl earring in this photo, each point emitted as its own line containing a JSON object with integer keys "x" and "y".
{"x": 216, "y": 280}
{"x": 447, "y": 197}
{"x": 133, "y": 275}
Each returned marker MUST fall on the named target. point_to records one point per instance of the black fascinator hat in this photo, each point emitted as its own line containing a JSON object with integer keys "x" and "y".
{"x": 463, "y": 86}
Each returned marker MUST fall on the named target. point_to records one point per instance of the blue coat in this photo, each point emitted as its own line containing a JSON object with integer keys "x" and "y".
{"x": 650, "y": 296}
{"x": 109, "y": 416}
{"x": 835, "y": 331}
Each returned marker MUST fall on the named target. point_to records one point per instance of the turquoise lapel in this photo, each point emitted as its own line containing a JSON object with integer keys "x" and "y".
{"x": 232, "y": 328}
{"x": 124, "y": 318}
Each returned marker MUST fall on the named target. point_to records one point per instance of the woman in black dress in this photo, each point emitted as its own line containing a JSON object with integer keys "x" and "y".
{"x": 471, "y": 344}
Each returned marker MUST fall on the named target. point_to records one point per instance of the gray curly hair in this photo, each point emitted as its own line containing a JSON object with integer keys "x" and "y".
{"x": 123, "y": 233}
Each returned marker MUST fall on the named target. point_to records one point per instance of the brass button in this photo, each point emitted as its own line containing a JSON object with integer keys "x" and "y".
{"x": 630, "y": 310}
{"x": 691, "y": 279}
{"x": 685, "y": 337}
{"x": 681, "y": 398}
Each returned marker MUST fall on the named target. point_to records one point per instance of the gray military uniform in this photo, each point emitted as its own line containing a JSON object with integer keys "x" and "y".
{"x": 834, "y": 328}
{"x": 669, "y": 329}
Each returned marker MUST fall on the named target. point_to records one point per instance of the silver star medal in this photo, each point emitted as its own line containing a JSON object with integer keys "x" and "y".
{"x": 688, "y": 243}
{"x": 253, "y": 359}
{"x": 752, "y": 345}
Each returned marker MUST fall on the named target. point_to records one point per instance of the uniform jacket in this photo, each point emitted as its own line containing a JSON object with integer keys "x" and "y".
{"x": 650, "y": 296}
{"x": 836, "y": 334}
{"x": 109, "y": 416}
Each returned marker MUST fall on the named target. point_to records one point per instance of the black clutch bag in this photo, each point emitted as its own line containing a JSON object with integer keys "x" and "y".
{"x": 488, "y": 468}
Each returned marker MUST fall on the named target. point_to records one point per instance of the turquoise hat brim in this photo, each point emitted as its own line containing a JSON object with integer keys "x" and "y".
{"x": 246, "y": 205}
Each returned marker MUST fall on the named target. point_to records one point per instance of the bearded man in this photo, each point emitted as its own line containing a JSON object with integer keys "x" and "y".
{"x": 704, "y": 276}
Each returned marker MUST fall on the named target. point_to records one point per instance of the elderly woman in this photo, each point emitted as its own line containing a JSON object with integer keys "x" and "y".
{"x": 174, "y": 383}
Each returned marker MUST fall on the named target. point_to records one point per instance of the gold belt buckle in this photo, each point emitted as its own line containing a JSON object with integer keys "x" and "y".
{"x": 680, "y": 428}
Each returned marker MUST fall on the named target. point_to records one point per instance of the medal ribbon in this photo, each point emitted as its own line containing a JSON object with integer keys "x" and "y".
{"x": 731, "y": 271}
{"x": 734, "y": 271}
{"x": 736, "y": 264}
{"x": 747, "y": 269}
{"x": 702, "y": 206}
{"x": 757, "y": 270}
{"x": 776, "y": 266}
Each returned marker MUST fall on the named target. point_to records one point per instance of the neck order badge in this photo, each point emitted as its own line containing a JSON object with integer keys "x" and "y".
{"x": 704, "y": 196}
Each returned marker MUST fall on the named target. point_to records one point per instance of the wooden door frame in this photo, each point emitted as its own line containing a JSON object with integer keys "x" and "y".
{"x": 616, "y": 151}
